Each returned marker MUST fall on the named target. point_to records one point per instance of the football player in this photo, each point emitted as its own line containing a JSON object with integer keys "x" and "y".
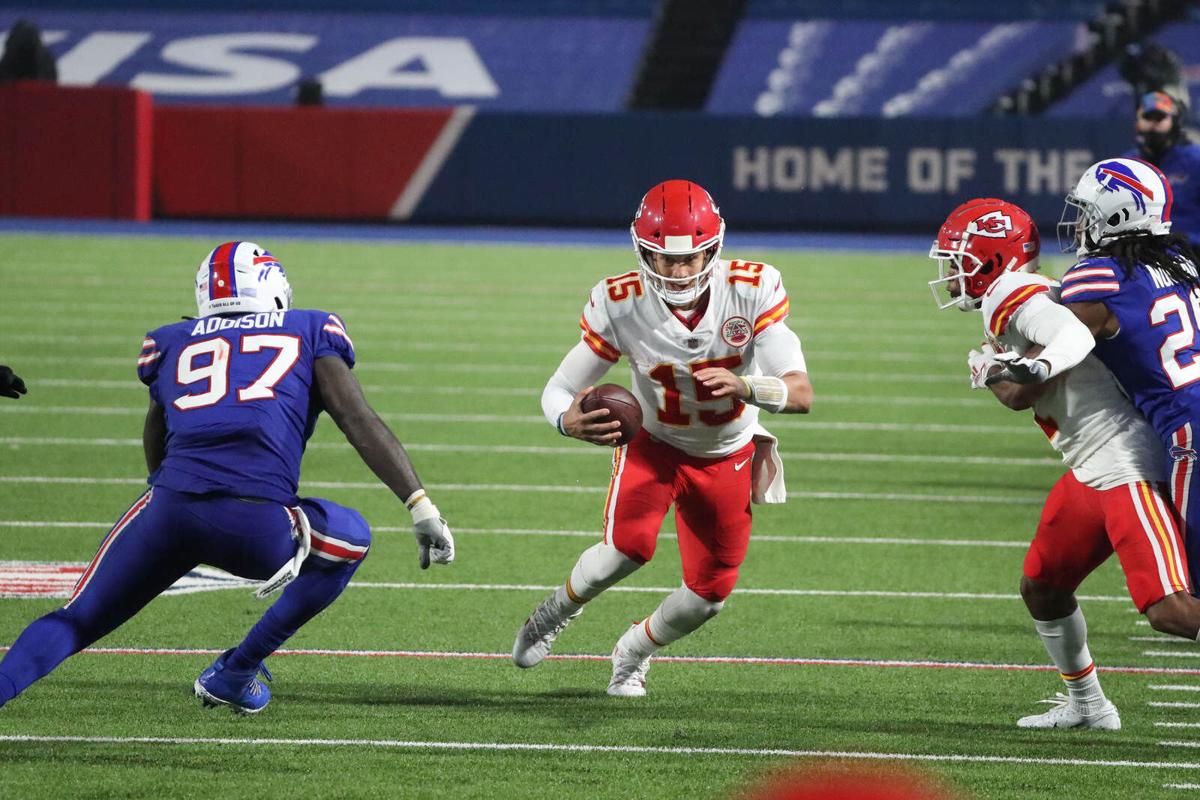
{"x": 1135, "y": 288}
{"x": 234, "y": 396}
{"x": 1113, "y": 497}
{"x": 708, "y": 347}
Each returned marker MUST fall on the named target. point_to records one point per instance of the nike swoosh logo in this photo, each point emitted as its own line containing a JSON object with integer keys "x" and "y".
{"x": 742, "y": 464}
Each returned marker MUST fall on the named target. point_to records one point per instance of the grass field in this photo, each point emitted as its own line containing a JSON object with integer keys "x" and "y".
{"x": 881, "y": 599}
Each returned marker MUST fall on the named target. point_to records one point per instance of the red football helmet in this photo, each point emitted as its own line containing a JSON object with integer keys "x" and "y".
{"x": 677, "y": 218}
{"x": 980, "y": 241}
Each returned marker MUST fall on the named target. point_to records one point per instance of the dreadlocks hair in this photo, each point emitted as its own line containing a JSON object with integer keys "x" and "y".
{"x": 1171, "y": 252}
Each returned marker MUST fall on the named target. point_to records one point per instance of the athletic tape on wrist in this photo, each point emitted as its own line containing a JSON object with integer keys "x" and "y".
{"x": 766, "y": 392}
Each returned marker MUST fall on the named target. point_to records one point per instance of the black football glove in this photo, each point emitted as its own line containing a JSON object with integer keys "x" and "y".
{"x": 10, "y": 385}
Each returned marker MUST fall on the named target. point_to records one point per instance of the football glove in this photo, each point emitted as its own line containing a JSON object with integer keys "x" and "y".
{"x": 1019, "y": 370}
{"x": 10, "y": 384}
{"x": 981, "y": 361}
{"x": 434, "y": 540}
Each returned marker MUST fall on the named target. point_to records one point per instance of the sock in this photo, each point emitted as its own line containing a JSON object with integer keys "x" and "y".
{"x": 682, "y": 612}
{"x": 599, "y": 567}
{"x": 312, "y": 591}
{"x": 1066, "y": 642}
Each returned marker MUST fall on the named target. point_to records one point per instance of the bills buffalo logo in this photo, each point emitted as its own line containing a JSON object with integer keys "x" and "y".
{"x": 1117, "y": 177}
{"x": 1183, "y": 453}
{"x": 994, "y": 225}
{"x": 736, "y": 331}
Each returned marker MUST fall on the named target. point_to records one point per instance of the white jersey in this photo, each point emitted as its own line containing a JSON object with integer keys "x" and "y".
{"x": 1086, "y": 416}
{"x": 623, "y": 317}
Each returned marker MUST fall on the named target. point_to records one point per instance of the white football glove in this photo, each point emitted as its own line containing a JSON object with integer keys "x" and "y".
{"x": 434, "y": 540}
{"x": 981, "y": 361}
{"x": 1018, "y": 369}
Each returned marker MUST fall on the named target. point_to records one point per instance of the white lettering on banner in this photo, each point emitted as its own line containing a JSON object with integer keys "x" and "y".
{"x": 229, "y": 71}
{"x": 449, "y": 66}
{"x": 931, "y": 170}
{"x": 96, "y": 55}
{"x": 1042, "y": 171}
{"x": 795, "y": 169}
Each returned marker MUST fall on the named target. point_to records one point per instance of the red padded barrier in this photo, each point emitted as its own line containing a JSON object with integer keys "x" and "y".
{"x": 314, "y": 163}
{"x": 75, "y": 152}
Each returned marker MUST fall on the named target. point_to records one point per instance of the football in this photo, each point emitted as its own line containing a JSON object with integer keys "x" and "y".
{"x": 622, "y": 406}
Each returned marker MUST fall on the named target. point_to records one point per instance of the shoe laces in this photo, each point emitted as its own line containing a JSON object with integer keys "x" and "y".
{"x": 546, "y": 623}
{"x": 630, "y": 671}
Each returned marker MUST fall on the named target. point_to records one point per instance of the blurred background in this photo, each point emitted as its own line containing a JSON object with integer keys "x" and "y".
{"x": 799, "y": 115}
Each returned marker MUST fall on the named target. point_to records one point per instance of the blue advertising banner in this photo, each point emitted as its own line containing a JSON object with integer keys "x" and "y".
{"x": 517, "y": 63}
{"x": 867, "y": 174}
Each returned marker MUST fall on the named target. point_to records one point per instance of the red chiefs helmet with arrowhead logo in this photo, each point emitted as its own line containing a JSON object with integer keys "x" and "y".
{"x": 980, "y": 241}
{"x": 677, "y": 218}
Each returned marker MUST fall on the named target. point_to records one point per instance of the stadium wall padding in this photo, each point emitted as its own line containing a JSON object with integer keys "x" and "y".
{"x": 585, "y": 169}
{"x": 75, "y": 152}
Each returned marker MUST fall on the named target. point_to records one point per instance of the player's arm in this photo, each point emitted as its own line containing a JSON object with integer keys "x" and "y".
{"x": 1065, "y": 340}
{"x": 1101, "y": 322}
{"x": 1021, "y": 396}
{"x": 571, "y": 382}
{"x": 783, "y": 388}
{"x": 154, "y": 435}
{"x": 381, "y": 451}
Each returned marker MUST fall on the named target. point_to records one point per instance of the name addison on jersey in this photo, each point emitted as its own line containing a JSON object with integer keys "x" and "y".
{"x": 267, "y": 319}
{"x": 34, "y": 580}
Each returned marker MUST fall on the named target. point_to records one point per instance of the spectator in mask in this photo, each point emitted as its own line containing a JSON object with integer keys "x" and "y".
{"x": 1161, "y": 141}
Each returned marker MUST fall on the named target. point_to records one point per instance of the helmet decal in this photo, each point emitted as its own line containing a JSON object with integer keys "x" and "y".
{"x": 994, "y": 224}
{"x": 1115, "y": 176}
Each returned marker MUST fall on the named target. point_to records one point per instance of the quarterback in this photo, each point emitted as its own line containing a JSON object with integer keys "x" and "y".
{"x": 1113, "y": 497}
{"x": 234, "y": 396}
{"x": 708, "y": 347}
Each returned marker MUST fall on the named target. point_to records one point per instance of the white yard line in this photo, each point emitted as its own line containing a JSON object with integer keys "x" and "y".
{"x": 797, "y": 539}
{"x": 575, "y": 450}
{"x": 542, "y": 489}
{"x": 1172, "y": 653}
{"x": 530, "y": 419}
{"x": 1165, "y": 704}
{"x": 597, "y": 748}
{"x": 1174, "y": 687}
{"x": 728, "y": 660}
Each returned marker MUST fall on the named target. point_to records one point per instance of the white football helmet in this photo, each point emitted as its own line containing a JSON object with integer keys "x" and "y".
{"x": 1115, "y": 197}
{"x": 240, "y": 277}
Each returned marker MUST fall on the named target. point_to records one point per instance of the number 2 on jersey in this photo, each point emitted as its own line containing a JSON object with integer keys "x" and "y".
{"x": 216, "y": 371}
{"x": 672, "y": 411}
{"x": 1179, "y": 373}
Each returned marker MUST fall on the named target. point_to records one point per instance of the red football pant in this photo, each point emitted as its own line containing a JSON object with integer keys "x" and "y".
{"x": 712, "y": 509}
{"x": 1081, "y": 527}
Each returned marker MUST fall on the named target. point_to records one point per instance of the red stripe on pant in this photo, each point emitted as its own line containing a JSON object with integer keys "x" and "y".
{"x": 122, "y": 523}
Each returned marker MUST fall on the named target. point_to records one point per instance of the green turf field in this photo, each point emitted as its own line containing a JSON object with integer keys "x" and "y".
{"x": 903, "y": 540}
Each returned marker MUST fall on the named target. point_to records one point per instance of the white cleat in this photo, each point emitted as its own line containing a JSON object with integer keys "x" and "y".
{"x": 538, "y": 633}
{"x": 1065, "y": 714}
{"x": 628, "y": 675}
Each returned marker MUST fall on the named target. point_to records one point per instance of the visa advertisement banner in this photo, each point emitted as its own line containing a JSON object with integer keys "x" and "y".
{"x": 517, "y": 63}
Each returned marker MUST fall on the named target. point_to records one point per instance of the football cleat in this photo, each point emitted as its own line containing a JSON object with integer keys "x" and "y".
{"x": 1065, "y": 714}
{"x": 629, "y": 673}
{"x": 537, "y": 635}
{"x": 241, "y": 691}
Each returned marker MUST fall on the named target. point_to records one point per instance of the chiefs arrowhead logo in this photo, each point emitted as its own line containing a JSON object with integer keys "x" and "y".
{"x": 994, "y": 224}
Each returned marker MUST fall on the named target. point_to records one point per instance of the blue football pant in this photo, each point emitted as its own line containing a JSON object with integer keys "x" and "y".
{"x": 1185, "y": 492}
{"x": 166, "y": 534}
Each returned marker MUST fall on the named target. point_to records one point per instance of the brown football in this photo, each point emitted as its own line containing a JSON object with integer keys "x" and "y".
{"x": 622, "y": 407}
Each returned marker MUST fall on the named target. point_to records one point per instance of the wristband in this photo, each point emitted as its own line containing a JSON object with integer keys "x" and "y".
{"x": 768, "y": 393}
{"x": 558, "y": 424}
{"x": 421, "y": 506}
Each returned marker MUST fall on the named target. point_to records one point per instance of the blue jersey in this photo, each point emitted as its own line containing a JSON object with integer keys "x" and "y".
{"x": 1181, "y": 165}
{"x": 239, "y": 398}
{"x": 1156, "y": 354}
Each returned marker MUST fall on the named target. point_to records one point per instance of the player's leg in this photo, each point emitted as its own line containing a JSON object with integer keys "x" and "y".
{"x": 340, "y": 541}
{"x": 1069, "y": 544}
{"x": 712, "y": 519}
{"x": 137, "y": 560}
{"x": 1184, "y": 479}
{"x": 639, "y": 494}
{"x": 253, "y": 539}
{"x": 1145, "y": 533}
